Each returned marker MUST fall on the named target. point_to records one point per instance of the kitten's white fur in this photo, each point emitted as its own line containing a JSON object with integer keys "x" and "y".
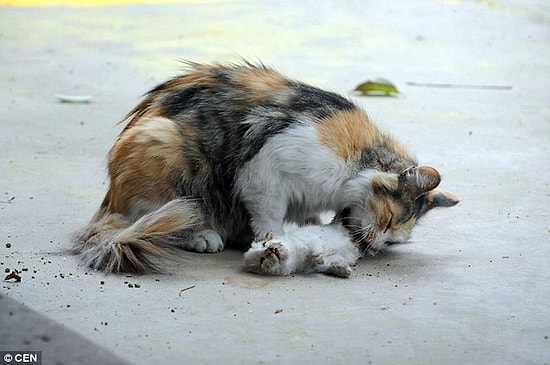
{"x": 313, "y": 248}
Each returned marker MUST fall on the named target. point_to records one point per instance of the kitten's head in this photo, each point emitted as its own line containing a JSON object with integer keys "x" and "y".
{"x": 392, "y": 209}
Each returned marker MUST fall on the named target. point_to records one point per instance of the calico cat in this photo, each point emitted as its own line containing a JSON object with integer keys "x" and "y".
{"x": 226, "y": 154}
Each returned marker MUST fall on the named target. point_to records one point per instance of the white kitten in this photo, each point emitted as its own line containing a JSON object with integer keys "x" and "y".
{"x": 313, "y": 248}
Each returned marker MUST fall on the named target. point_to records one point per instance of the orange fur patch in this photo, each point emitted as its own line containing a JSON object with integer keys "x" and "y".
{"x": 385, "y": 181}
{"x": 389, "y": 214}
{"x": 347, "y": 133}
{"x": 142, "y": 164}
{"x": 383, "y": 211}
{"x": 202, "y": 75}
{"x": 259, "y": 82}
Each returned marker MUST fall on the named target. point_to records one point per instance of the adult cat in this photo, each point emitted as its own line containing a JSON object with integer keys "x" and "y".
{"x": 228, "y": 153}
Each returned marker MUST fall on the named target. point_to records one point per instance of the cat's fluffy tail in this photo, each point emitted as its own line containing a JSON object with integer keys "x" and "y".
{"x": 111, "y": 243}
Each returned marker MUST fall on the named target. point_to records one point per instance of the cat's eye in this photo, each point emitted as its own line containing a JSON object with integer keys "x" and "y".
{"x": 388, "y": 225}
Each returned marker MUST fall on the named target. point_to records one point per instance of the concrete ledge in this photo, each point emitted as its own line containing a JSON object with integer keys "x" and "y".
{"x": 23, "y": 329}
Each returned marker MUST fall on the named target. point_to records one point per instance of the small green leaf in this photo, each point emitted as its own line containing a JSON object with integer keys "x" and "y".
{"x": 81, "y": 99}
{"x": 377, "y": 86}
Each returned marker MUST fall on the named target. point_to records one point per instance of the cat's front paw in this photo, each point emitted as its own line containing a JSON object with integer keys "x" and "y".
{"x": 205, "y": 241}
{"x": 267, "y": 258}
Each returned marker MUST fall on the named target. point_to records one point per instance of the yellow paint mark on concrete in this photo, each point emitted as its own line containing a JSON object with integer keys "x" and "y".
{"x": 89, "y": 194}
{"x": 91, "y": 3}
{"x": 449, "y": 2}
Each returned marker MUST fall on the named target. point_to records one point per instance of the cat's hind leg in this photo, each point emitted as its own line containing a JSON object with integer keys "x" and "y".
{"x": 335, "y": 264}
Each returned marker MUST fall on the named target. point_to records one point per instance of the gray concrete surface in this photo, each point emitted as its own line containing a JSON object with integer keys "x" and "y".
{"x": 470, "y": 288}
{"x": 27, "y": 330}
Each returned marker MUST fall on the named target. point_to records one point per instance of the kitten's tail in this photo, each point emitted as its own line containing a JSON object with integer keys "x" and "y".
{"x": 111, "y": 243}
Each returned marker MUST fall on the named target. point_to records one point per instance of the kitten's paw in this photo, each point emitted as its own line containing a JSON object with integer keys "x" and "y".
{"x": 274, "y": 254}
{"x": 205, "y": 241}
{"x": 266, "y": 258}
{"x": 268, "y": 237}
{"x": 340, "y": 269}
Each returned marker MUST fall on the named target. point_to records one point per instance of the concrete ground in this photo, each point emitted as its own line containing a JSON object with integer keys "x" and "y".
{"x": 470, "y": 288}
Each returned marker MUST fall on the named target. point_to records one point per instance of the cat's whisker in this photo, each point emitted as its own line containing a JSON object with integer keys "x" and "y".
{"x": 362, "y": 207}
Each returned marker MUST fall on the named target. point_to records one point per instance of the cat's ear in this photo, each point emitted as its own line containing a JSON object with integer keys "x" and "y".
{"x": 438, "y": 198}
{"x": 418, "y": 180}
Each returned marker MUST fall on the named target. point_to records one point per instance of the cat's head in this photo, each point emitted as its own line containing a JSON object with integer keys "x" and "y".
{"x": 393, "y": 205}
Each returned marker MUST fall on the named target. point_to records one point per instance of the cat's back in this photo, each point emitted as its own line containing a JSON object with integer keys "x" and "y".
{"x": 233, "y": 91}
{"x": 231, "y": 111}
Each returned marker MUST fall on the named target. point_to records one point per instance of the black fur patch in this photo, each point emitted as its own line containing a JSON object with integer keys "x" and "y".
{"x": 318, "y": 102}
{"x": 383, "y": 158}
{"x": 182, "y": 99}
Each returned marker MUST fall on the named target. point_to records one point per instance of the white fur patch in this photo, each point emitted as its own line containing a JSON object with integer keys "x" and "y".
{"x": 326, "y": 249}
{"x": 280, "y": 181}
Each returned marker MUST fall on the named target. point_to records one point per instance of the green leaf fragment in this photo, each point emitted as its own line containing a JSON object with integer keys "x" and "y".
{"x": 73, "y": 98}
{"x": 377, "y": 86}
